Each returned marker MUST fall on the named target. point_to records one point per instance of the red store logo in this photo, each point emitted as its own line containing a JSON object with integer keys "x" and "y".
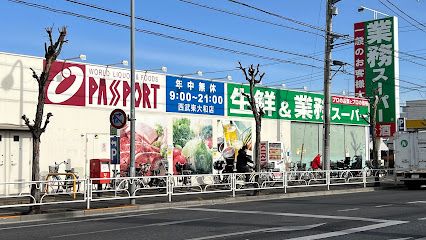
{"x": 66, "y": 85}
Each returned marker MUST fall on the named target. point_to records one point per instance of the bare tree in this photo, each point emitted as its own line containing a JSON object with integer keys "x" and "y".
{"x": 51, "y": 52}
{"x": 373, "y": 123}
{"x": 253, "y": 77}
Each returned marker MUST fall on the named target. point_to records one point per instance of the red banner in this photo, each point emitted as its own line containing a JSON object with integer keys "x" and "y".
{"x": 359, "y": 56}
{"x": 385, "y": 129}
{"x": 349, "y": 101}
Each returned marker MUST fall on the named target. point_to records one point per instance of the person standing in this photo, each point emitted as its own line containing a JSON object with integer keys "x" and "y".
{"x": 242, "y": 162}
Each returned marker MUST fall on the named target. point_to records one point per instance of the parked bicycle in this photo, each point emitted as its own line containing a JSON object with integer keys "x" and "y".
{"x": 265, "y": 178}
{"x": 57, "y": 184}
{"x": 298, "y": 174}
{"x": 242, "y": 180}
{"x": 269, "y": 176}
{"x": 159, "y": 172}
{"x": 224, "y": 165}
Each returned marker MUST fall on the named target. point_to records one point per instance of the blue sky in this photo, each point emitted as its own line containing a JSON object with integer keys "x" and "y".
{"x": 23, "y": 33}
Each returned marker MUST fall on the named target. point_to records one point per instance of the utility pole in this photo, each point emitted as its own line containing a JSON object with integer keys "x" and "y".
{"x": 327, "y": 83}
{"x": 132, "y": 99}
{"x": 331, "y": 11}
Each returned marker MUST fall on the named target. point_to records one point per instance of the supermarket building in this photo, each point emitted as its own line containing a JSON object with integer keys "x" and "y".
{"x": 81, "y": 97}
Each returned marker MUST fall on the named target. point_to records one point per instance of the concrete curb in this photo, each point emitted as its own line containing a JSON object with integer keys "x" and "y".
{"x": 170, "y": 205}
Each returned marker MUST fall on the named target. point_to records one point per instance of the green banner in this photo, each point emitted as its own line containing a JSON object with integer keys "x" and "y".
{"x": 380, "y": 59}
{"x": 296, "y": 106}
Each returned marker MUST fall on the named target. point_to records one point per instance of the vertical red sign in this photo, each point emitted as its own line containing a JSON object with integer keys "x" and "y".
{"x": 263, "y": 152}
{"x": 359, "y": 51}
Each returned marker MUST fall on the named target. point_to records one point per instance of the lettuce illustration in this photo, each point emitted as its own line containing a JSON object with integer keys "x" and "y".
{"x": 182, "y": 132}
{"x": 203, "y": 159}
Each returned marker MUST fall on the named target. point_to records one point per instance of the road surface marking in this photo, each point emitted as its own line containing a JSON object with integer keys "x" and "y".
{"x": 401, "y": 238}
{"x": 262, "y": 230}
{"x": 416, "y": 202}
{"x": 421, "y": 219}
{"x": 133, "y": 227}
{"x": 385, "y": 205}
{"x": 76, "y": 221}
{"x": 379, "y": 223}
{"x": 286, "y": 214}
{"x": 349, "y": 231}
{"x": 347, "y": 210}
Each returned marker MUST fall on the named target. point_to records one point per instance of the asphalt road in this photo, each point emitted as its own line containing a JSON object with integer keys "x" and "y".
{"x": 384, "y": 214}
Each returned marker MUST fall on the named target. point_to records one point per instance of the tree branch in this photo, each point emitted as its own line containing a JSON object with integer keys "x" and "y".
{"x": 261, "y": 112}
{"x": 260, "y": 78}
{"x": 52, "y": 52}
{"x": 246, "y": 95}
{"x": 27, "y": 122}
{"x": 61, "y": 40}
{"x": 49, "y": 33}
{"x": 256, "y": 72}
{"x": 47, "y": 121}
{"x": 244, "y": 71}
{"x": 365, "y": 119}
{"x": 252, "y": 104}
{"x": 251, "y": 71}
{"x": 35, "y": 76}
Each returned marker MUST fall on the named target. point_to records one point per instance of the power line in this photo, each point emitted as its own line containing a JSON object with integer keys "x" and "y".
{"x": 322, "y": 29}
{"x": 314, "y": 27}
{"x": 161, "y": 34}
{"x": 318, "y": 53}
{"x": 316, "y": 40}
{"x": 278, "y": 16}
{"x": 399, "y": 9}
{"x": 193, "y": 31}
{"x": 416, "y": 50}
{"x": 276, "y": 60}
{"x": 346, "y": 36}
{"x": 413, "y": 56}
{"x": 351, "y": 38}
{"x": 248, "y": 17}
{"x": 400, "y": 15}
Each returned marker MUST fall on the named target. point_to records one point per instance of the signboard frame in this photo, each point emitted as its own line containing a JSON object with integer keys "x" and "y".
{"x": 377, "y": 69}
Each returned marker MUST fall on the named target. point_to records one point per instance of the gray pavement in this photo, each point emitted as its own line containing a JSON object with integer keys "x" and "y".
{"x": 394, "y": 213}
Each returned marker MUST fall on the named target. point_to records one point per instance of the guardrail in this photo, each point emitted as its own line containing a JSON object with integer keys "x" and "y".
{"x": 57, "y": 191}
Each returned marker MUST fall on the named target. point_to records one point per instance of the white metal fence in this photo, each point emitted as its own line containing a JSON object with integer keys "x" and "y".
{"x": 57, "y": 191}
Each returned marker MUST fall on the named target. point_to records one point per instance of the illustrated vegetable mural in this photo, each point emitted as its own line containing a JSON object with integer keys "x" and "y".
{"x": 193, "y": 140}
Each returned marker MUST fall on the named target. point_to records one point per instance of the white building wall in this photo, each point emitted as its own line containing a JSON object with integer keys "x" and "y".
{"x": 78, "y": 134}
{"x": 416, "y": 109}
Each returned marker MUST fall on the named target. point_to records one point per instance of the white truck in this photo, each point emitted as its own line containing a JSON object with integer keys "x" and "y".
{"x": 410, "y": 158}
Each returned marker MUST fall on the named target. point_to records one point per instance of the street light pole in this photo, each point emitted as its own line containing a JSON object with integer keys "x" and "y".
{"x": 132, "y": 118}
{"x": 327, "y": 72}
{"x": 375, "y": 12}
